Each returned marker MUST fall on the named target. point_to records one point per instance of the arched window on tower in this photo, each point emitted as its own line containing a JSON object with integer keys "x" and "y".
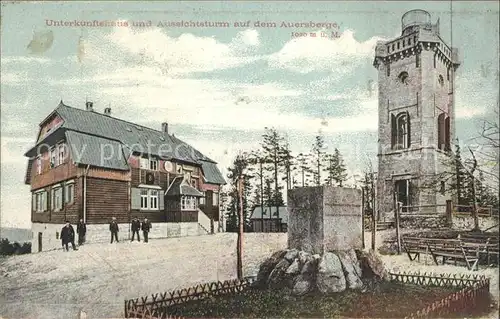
{"x": 447, "y": 145}
{"x": 400, "y": 128}
{"x": 444, "y": 132}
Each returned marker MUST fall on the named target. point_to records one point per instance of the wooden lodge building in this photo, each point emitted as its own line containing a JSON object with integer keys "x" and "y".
{"x": 92, "y": 166}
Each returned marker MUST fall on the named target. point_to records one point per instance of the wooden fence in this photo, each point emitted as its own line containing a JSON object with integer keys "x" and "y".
{"x": 487, "y": 211}
{"x": 155, "y": 306}
{"x": 473, "y": 295}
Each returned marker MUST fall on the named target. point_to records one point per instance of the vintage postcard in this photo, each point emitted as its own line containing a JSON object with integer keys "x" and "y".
{"x": 249, "y": 159}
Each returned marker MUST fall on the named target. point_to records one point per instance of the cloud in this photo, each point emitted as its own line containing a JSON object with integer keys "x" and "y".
{"x": 24, "y": 60}
{"x": 476, "y": 94}
{"x": 185, "y": 54}
{"x": 246, "y": 38}
{"x": 13, "y": 149}
{"x": 14, "y": 78}
{"x": 309, "y": 54}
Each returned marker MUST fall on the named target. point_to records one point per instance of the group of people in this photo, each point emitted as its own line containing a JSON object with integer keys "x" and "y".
{"x": 145, "y": 226}
{"x": 68, "y": 232}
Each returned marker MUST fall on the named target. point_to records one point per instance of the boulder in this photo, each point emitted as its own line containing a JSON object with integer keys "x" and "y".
{"x": 304, "y": 257}
{"x": 267, "y": 267}
{"x": 294, "y": 268}
{"x": 330, "y": 276}
{"x": 291, "y": 254}
{"x": 372, "y": 266}
{"x": 351, "y": 268}
{"x": 305, "y": 282}
{"x": 278, "y": 278}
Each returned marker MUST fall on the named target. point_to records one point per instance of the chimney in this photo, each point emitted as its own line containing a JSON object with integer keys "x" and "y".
{"x": 164, "y": 127}
{"x": 107, "y": 111}
{"x": 89, "y": 106}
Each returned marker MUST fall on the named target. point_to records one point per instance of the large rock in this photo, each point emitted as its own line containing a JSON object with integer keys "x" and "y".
{"x": 351, "y": 268}
{"x": 304, "y": 257}
{"x": 372, "y": 266}
{"x": 330, "y": 276}
{"x": 294, "y": 268}
{"x": 291, "y": 254}
{"x": 278, "y": 277}
{"x": 305, "y": 282}
{"x": 267, "y": 267}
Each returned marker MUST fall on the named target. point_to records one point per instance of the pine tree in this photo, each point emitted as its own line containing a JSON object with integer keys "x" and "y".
{"x": 239, "y": 168}
{"x": 331, "y": 170}
{"x": 273, "y": 150}
{"x": 340, "y": 170}
{"x": 288, "y": 161}
{"x": 303, "y": 170}
{"x": 318, "y": 151}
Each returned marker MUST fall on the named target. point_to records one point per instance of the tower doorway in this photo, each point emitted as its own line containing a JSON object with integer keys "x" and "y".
{"x": 402, "y": 194}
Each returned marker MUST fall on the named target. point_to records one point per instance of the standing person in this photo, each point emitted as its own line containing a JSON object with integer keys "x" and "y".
{"x": 81, "y": 230}
{"x": 146, "y": 227}
{"x": 113, "y": 228}
{"x": 136, "y": 225}
{"x": 68, "y": 236}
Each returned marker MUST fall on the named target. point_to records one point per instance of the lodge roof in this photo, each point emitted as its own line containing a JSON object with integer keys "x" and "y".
{"x": 270, "y": 213}
{"x": 89, "y": 132}
{"x": 181, "y": 187}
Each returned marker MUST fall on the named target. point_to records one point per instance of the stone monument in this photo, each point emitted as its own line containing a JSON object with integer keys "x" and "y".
{"x": 324, "y": 245}
{"x": 324, "y": 218}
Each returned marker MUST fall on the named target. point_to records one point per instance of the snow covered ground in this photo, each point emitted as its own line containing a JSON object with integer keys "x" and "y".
{"x": 97, "y": 278}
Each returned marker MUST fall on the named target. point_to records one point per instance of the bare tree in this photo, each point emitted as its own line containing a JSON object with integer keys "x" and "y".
{"x": 473, "y": 189}
{"x": 488, "y": 149}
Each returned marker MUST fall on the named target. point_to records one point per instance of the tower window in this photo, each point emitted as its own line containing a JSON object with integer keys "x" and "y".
{"x": 440, "y": 80}
{"x": 444, "y": 132}
{"x": 393, "y": 47}
{"x": 403, "y": 77}
{"x": 409, "y": 41}
{"x": 435, "y": 55}
{"x": 448, "y": 73}
{"x": 388, "y": 69}
{"x": 400, "y": 125}
{"x": 417, "y": 60}
{"x": 398, "y": 45}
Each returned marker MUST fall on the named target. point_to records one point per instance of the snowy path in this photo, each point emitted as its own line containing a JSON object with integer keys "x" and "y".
{"x": 97, "y": 278}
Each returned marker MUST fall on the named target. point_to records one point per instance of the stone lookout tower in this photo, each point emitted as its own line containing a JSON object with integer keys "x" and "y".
{"x": 416, "y": 115}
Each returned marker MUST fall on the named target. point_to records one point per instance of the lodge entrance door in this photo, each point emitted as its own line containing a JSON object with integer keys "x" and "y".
{"x": 40, "y": 242}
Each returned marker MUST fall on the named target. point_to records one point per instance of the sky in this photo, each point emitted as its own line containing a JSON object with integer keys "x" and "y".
{"x": 219, "y": 87}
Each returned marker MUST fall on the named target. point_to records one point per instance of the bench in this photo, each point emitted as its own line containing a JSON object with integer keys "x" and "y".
{"x": 447, "y": 249}
{"x": 457, "y": 250}
{"x": 414, "y": 246}
{"x": 491, "y": 246}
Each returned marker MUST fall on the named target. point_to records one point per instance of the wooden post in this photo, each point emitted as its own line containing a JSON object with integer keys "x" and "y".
{"x": 363, "y": 208}
{"x": 398, "y": 235}
{"x": 240, "y": 232}
{"x": 449, "y": 213}
{"x": 374, "y": 229}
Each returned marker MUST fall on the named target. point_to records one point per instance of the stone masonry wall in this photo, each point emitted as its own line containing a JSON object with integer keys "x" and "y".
{"x": 424, "y": 99}
{"x": 324, "y": 219}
